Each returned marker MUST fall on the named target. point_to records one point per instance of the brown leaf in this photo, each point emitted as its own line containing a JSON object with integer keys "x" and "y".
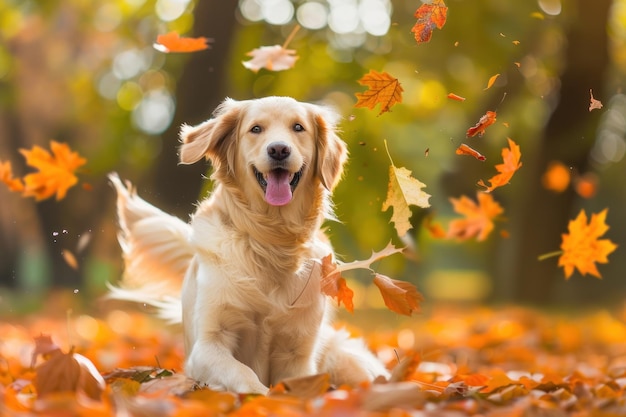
{"x": 399, "y": 296}
{"x": 307, "y": 387}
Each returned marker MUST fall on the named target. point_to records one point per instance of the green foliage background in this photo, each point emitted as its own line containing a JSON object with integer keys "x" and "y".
{"x": 57, "y": 81}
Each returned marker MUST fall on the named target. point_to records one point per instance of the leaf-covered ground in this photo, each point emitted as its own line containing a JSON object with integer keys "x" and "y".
{"x": 447, "y": 362}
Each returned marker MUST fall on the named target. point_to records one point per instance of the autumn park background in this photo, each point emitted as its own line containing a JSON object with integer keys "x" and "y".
{"x": 88, "y": 74}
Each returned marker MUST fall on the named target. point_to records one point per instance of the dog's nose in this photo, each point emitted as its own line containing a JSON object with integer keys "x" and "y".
{"x": 278, "y": 150}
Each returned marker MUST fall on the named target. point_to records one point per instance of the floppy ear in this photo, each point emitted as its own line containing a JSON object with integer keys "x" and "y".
{"x": 208, "y": 138}
{"x": 332, "y": 152}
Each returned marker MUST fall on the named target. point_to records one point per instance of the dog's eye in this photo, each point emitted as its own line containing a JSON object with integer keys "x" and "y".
{"x": 298, "y": 127}
{"x": 256, "y": 129}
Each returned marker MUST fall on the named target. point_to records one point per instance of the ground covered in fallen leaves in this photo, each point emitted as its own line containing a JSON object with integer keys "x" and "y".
{"x": 446, "y": 362}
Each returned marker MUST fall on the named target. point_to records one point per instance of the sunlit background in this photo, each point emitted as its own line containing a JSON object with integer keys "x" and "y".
{"x": 86, "y": 73}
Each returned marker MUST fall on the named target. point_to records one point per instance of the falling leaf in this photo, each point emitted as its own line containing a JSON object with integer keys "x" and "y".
{"x": 70, "y": 259}
{"x": 56, "y": 171}
{"x": 334, "y": 285}
{"x": 516, "y": 42}
{"x": 272, "y": 58}
{"x": 453, "y": 96}
{"x": 478, "y": 220}
{"x": 6, "y": 176}
{"x": 491, "y": 81}
{"x": 383, "y": 89}
{"x": 434, "y": 229}
{"x": 557, "y": 177}
{"x": 388, "y": 250}
{"x": 594, "y": 104}
{"x": 484, "y": 122}
{"x": 403, "y": 190}
{"x": 586, "y": 185}
{"x": 537, "y": 15}
{"x": 429, "y": 16}
{"x": 399, "y": 296}
{"x": 582, "y": 247}
{"x": 511, "y": 157}
{"x": 173, "y": 42}
{"x": 463, "y": 149}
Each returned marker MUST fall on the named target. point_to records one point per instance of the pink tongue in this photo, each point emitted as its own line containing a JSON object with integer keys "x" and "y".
{"x": 278, "y": 191}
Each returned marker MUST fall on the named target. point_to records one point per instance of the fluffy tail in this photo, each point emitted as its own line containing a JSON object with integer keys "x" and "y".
{"x": 156, "y": 252}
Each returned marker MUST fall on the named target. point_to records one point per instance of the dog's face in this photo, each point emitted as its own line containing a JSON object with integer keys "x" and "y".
{"x": 273, "y": 147}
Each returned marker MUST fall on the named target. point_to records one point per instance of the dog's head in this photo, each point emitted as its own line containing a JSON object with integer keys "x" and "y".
{"x": 277, "y": 143}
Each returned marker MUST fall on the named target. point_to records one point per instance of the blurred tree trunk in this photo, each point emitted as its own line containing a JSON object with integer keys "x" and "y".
{"x": 568, "y": 136}
{"x": 201, "y": 88}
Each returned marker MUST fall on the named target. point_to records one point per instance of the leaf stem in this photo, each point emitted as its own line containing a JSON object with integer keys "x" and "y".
{"x": 387, "y": 150}
{"x": 291, "y": 36}
{"x": 549, "y": 255}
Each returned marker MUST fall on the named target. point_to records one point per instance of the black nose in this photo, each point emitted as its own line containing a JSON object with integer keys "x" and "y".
{"x": 278, "y": 150}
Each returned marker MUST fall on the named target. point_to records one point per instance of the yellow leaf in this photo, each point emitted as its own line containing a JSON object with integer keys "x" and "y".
{"x": 383, "y": 89}
{"x": 403, "y": 190}
{"x": 491, "y": 81}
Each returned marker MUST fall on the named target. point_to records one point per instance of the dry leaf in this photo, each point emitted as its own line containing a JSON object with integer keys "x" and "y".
{"x": 594, "y": 104}
{"x": 453, "y": 96}
{"x": 511, "y": 157}
{"x": 491, "y": 81}
{"x": 582, "y": 247}
{"x": 68, "y": 372}
{"x": 399, "y": 296}
{"x": 383, "y": 89}
{"x": 173, "y": 42}
{"x": 403, "y": 190}
{"x": 463, "y": 149}
{"x": 478, "y": 220}
{"x": 334, "y": 285}
{"x": 272, "y": 58}
{"x": 56, "y": 171}
{"x": 485, "y": 121}
{"x": 429, "y": 16}
{"x": 6, "y": 176}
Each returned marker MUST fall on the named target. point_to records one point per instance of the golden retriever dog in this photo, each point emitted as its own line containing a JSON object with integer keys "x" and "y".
{"x": 248, "y": 265}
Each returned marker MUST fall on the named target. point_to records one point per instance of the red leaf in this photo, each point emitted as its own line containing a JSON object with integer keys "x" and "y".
{"x": 429, "y": 17}
{"x": 485, "y": 121}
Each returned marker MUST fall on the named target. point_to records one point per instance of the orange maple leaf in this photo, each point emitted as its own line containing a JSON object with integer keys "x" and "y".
{"x": 484, "y": 122}
{"x": 429, "y": 16}
{"x": 56, "y": 171}
{"x": 478, "y": 221}
{"x": 173, "y": 42}
{"x": 6, "y": 176}
{"x": 334, "y": 285}
{"x": 383, "y": 89}
{"x": 511, "y": 157}
{"x": 272, "y": 58}
{"x": 399, "y": 296}
{"x": 582, "y": 247}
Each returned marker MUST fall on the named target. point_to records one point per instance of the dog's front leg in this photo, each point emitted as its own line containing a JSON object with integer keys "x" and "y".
{"x": 213, "y": 364}
{"x": 213, "y": 331}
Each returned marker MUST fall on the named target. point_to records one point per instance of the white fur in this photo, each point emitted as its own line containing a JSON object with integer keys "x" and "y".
{"x": 252, "y": 310}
